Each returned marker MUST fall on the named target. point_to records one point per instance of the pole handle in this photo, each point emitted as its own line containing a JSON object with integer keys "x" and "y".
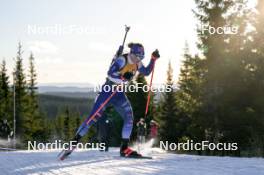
{"x": 127, "y": 28}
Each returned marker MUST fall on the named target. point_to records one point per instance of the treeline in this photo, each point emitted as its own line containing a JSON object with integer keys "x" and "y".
{"x": 51, "y": 105}
{"x": 64, "y": 115}
{"x": 20, "y": 99}
{"x": 41, "y": 118}
{"x": 220, "y": 94}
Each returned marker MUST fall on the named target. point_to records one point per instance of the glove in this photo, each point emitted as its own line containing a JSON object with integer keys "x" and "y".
{"x": 155, "y": 54}
{"x": 128, "y": 76}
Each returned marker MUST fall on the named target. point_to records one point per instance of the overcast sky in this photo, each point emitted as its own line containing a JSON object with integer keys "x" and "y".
{"x": 74, "y": 41}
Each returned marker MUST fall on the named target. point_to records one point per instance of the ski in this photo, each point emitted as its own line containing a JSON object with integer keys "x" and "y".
{"x": 64, "y": 154}
{"x": 141, "y": 157}
{"x": 7, "y": 149}
{"x": 137, "y": 157}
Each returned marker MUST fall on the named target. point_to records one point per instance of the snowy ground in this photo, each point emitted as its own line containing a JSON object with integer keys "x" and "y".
{"x": 95, "y": 163}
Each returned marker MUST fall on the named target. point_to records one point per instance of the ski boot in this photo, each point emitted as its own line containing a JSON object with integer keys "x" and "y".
{"x": 125, "y": 151}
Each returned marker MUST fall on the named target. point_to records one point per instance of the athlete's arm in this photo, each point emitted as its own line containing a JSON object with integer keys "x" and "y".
{"x": 147, "y": 70}
{"x": 113, "y": 72}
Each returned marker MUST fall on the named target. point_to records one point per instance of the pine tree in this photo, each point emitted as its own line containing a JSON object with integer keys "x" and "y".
{"x": 59, "y": 126}
{"x": 260, "y": 30}
{"x": 189, "y": 96}
{"x": 67, "y": 125}
{"x": 190, "y": 80}
{"x": 5, "y": 95}
{"x": 49, "y": 130}
{"x": 20, "y": 92}
{"x": 77, "y": 122}
{"x": 32, "y": 81}
{"x": 255, "y": 70}
{"x": 213, "y": 46}
{"x": 168, "y": 111}
{"x": 223, "y": 73}
{"x": 33, "y": 122}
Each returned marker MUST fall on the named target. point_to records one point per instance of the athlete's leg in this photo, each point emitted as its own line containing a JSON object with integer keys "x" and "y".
{"x": 123, "y": 107}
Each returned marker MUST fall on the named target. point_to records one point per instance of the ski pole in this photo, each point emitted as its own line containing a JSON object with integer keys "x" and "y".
{"x": 150, "y": 91}
{"x": 97, "y": 111}
{"x": 101, "y": 106}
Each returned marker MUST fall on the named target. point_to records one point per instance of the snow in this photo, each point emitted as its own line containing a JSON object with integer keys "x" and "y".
{"x": 94, "y": 162}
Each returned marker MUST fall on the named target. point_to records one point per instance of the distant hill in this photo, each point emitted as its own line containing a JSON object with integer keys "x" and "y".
{"x": 90, "y": 95}
{"x": 68, "y": 90}
{"x": 80, "y": 85}
{"x": 45, "y": 89}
